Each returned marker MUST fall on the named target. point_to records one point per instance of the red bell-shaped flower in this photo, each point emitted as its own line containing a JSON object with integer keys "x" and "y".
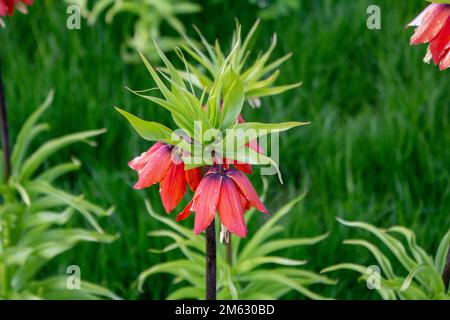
{"x": 7, "y": 7}
{"x": 162, "y": 164}
{"x": 433, "y": 27}
{"x": 230, "y": 193}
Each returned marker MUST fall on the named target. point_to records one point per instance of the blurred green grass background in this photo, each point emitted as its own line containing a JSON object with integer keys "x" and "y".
{"x": 377, "y": 148}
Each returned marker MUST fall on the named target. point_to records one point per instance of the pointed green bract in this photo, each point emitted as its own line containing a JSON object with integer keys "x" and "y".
{"x": 257, "y": 79}
{"x": 220, "y": 104}
{"x": 243, "y": 133}
{"x": 151, "y": 131}
{"x": 233, "y": 100}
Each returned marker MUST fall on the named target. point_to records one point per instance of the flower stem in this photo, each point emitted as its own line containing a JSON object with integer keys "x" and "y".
{"x": 211, "y": 261}
{"x": 446, "y": 274}
{"x": 4, "y": 131}
{"x": 229, "y": 251}
{"x": 4, "y": 226}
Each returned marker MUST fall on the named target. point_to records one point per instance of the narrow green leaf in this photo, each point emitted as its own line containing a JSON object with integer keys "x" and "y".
{"x": 233, "y": 101}
{"x": 442, "y": 252}
{"x": 262, "y": 234}
{"x": 271, "y": 91}
{"x": 52, "y": 146}
{"x": 28, "y": 132}
{"x": 151, "y": 131}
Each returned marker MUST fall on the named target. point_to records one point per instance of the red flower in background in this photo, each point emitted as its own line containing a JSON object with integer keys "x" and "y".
{"x": 433, "y": 27}
{"x": 163, "y": 164}
{"x": 7, "y": 6}
{"x": 228, "y": 192}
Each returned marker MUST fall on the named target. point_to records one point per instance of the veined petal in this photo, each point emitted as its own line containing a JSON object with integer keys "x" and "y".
{"x": 139, "y": 162}
{"x": 173, "y": 187}
{"x": 445, "y": 62}
{"x": 433, "y": 22}
{"x": 3, "y": 9}
{"x": 439, "y": 45}
{"x": 155, "y": 168}
{"x": 245, "y": 203}
{"x": 205, "y": 201}
{"x": 247, "y": 189}
{"x": 231, "y": 211}
{"x": 10, "y": 5}
{"x": 418, "y": 21}
{"x": 193, "y": 177}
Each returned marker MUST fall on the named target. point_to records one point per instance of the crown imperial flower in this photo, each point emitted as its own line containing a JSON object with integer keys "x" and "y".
{"x": 228, "y": 192}
{"x": 7, "y": 7}
{"x": 210, "y": 148}
{"x": 162, "y": 164}
{"x": 433, "y": 27}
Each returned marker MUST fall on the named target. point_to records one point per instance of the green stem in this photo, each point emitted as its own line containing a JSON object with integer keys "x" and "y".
{"x": 229, "y": 251}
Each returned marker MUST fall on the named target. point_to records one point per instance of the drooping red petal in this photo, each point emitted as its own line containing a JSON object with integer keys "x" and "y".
{"x": 153, "y": 167}
{"x": 432, "y": 23}
{"x": 139, "y": 162}
{"x": 247, "y": 189}
{"x": 438, "y": 45}
{"x": 244, "y": 167}
{"x": 193, "y": 177}
{"x": 173, "y": 187}
{"x": 244, "y": 201}
{"x": 418, "y": 21}
{"x": 445, "y": 62}
{"x": 186, "y": 211}
{"x": 10, "y": 4}
{"x": 205, "y": 201}
{"x": 3, "y": 9}
{"x": 230, "y": 207}
{"x": 7, "y": 7}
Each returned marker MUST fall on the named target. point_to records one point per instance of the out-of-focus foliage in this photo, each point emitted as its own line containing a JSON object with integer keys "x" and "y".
{"x": 256, "y": 271}
{"x": 257, "y": 76}
{"x": 272, "y": 9}
{"x": 150, "y": 16}
{"x": 422, "y": 274}
{"x": 35, "y": 218}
